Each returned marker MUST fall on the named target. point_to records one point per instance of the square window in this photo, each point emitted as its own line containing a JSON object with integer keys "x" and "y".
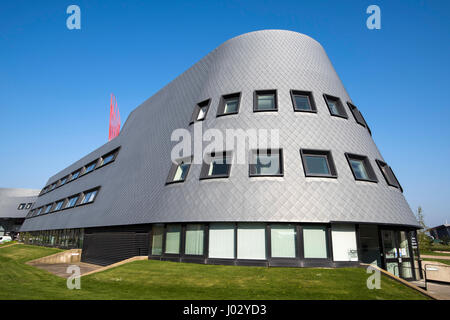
{"x": 265, "y": 100}
{"x": 266, "y": 163}
{"x": 89, "y": 196}
{"x": 318, "y": 163}
{"x": 361, "y": 168}
{"x": 303, "y": 101}
{"x": 315, "y": 242}
{"x": 388, "y": 174}
{"x": 251, "y": 241}
{"x": 216, "y": 165}
{"x": 179, "y": 170}
{"x": 229, "y": 104}
{"x": 200, "y": 111}
{"x": 335, "y": 106}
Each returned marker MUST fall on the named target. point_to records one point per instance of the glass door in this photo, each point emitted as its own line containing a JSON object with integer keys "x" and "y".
{"x": 397, "y": 255}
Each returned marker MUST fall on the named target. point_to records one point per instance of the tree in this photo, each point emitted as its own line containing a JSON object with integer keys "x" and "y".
{"x": 423, "y": 239}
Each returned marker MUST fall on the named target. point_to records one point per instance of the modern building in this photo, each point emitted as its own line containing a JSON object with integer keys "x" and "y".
{"x": 441, "y": 232}
{"x": 14, "y": 206}
{"x": 324, "y": 197}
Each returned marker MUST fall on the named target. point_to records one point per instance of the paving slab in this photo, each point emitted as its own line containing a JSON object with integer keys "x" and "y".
{"x": 60, "y": 269}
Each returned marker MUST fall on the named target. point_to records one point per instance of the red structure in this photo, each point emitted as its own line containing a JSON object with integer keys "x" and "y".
{"x": 114, "y": 118}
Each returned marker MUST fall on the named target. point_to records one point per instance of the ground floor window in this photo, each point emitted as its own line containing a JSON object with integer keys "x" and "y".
{"x": 344, "y": 242}
{"x": 283, "y": 238}
{"x": 221, "y": 240}
{"x": 157, "y": 239}
{"x": 194, "y": 239}
{"x": 173, "y": 236}
{"x": 315, "y": 242}
{"x": 251, "y": 241}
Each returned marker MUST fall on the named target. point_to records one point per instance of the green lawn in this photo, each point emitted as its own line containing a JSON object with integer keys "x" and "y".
{"x": 437, "y": 260}
{"x": 434, "y": 253}
{"x": 167, "y": 280}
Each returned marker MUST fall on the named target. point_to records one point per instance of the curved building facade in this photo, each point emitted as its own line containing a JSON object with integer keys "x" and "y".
{"x": 14, "y": 206}
{"x": 323, "y": 196}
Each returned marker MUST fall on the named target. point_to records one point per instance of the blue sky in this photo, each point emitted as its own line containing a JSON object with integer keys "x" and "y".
{"x": 55, "y": 83}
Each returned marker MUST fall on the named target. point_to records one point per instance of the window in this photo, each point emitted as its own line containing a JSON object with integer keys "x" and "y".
{"x": 45, "y": 189}
{"x": 194, "y": 239}
{"x": 216, "y": 165}
{"x": 388, "y": 174}
{"x": 335, "y": 106}
{"x": 229, "y": 104}
{"x": 52, "y": 186}
{"x": 344, "y": 242}
{"x": 283, "y": 238}
{"x": 221, "y": 240}
{"x": 303, "y": 101}
{"x": 63, "y": 181}
{"x": 361, "y": 168}
{"x": 266, "y": 163}
{"x": 251, "y": 241}
{"x": 38, "y": 212}
{"x": 200, "y": 111}
{"x": 58, "y": 205}
{"x": 318, "y": 163}
{"x": 315, "y": 242}
{"x": 179, "y": 170}
{"x": 173, "y": 236}
{"x": 28, "y": 206}
{"x": 75, "y": 175}
{"x": 110, "y": 157}
{"x": 89, "y": 196}
{"x": 90, "y": 167}
{"x": 265, "y": 100}
{"x": 21, "y": 206}
{"x": 72, "y": 202}
{"x": 48, "y": 208}
{"x": 157, "y": 239}
{"x": 357, "y": 115}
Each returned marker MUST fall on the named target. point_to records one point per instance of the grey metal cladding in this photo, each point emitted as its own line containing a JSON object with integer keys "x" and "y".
{"x": 10, "y": 199}
{"x": 134, "y": 190}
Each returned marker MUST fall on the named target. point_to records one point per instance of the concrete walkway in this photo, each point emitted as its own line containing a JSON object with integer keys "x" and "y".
{"x": 435, "y": 257}
{"x": 60, "y": 269}
{"x": 439, "y": 290}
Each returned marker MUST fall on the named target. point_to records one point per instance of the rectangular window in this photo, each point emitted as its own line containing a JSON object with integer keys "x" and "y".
{"x": 90, "y": 167}
{"x": 200, "y": 111}
{"x": 283, "y": 238}
{"x": 58, "y": 205}
{"x": 75, "y": 175}
{"x": 318, "y": 163}
{"x": 53, "y": 186}
{"x": 335, "y": 106}
{"x": 361, "y": 168}
{"x": 63, "y": 181}
{"x": 388, "y": 174}
{"x": 173, "y": 236}
{"x": 48, "y": 208}
{"x": 157, "y": 239}
{"x": 265, "y": 100}
{"x": 229, "y": 104}
{"x": 221, "y": 240}
{"x": 28, "y": 206}
{"x": 216, "y": 165}
{"x": 21, "y": 206}
{"x": 303, "y": 101}
{"x": 194, "y": 239}
{"x": 72, "y": 202}
{"x": 357, "y": 114}
{"x": 344, "y": 243}
{"x": 251, "y": 241}
{"x": 266, "y": 163}
{"x": 179, "y": 170}
{"x": 89, "y": 196}
{"x": 39, "y": 211}
{"x": 108, "y": 158}
{"x": 315, "y": 242}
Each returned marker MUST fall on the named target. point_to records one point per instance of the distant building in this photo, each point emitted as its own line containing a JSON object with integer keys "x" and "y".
{"x": 14, "y": 206}
{"x": 441, "y": 232}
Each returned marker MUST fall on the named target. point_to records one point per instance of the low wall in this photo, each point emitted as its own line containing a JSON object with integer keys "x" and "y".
{"x": 436, "y": 271}
{"x": 68, "y": 256}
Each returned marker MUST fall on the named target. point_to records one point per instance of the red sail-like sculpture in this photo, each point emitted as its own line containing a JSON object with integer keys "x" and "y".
{"x": 114, "y": 118}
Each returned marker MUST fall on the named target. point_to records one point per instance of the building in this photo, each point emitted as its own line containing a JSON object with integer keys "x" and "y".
{"x": 14, "y": 206}
{"x": 441, "y": 232}
{"x": 325, "y": 197}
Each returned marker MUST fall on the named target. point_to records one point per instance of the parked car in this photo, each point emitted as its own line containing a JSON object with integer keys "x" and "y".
{"x": 4, "y": 239}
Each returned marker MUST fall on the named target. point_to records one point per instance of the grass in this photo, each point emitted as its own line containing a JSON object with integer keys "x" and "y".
{"x": 434, "y": 253}
{"x": 169, "y": 280}
{"x": 437, "y": 260}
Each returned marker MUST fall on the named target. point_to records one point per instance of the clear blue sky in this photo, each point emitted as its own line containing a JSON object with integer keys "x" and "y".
{"x": 55, "y": 83}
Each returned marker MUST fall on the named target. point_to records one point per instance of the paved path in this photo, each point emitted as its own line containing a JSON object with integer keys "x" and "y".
{"x": 435, "y": 257}
{"x": 60, "y": 269}
{"x": 439, "y": 290}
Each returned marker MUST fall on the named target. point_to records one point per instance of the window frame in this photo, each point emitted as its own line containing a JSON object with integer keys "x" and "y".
{"x": 114, "y": 153}
{"x": 205, "y": 166}
{"x": 343, "y": 113}
{"x": 256, "y": 93}
{"x": 319, "y": 153}
{"x": 367, "y": 166}
{"x": 84, "y": 169}
{"x": 174, "y": 167}
{"x": 357, "y": 115}
{"x": 83, "y": 195}
{"x": 221, "y": 107}
{"x": 309, "y": 95}
{"x": 67, "y": 203}
{"x": 54, "y": 207}
{"x": 252, "y": 166}
{"x": 396, "y": 183}
{"x": 21, "y": 206}
{"x": 205, "y": 103}
{"x": 28, "y": 206}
